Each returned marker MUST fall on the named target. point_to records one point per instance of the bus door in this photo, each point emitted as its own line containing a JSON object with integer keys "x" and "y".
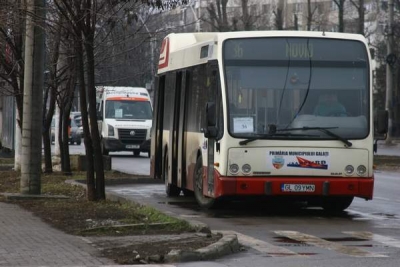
{"x": 175, "y": 149}
{"x": 214, "y": 126}
{"x": 181, "y": 142}
{"x": 156, "y": 161}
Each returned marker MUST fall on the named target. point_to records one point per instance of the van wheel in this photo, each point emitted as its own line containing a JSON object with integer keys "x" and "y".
{"x": 170, "y": 189}
{"x": 203, "y": 201}
{"x": 336, "y": 204}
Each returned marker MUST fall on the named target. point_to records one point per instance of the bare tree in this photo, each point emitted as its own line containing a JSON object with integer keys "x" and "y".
{"x": 278, "y": 18}
{"x": 218, "y": 15}
{"x": 310, "y": 14}
{"x": 12, "y": 21}
{"x": 340, "y": 5}
{"x": 359, "y": 5}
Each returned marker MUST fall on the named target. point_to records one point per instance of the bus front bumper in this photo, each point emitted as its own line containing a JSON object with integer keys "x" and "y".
{"x": 287, "y": 186}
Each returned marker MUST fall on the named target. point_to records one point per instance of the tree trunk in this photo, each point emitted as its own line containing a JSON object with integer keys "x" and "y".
{"x": 361, "y": 15}
{"x": 341, "y": 15}
{"x": 94, "y": 130}
{"x": 246, "y": 18}
{"x": 91, "y": 189}
{"x": 309, "y": 15}
{"x": 65, "y": 162}
{"x": 33, "y": 98}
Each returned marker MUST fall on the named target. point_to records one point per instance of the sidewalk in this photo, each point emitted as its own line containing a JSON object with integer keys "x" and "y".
{"x": 27, "y": 241}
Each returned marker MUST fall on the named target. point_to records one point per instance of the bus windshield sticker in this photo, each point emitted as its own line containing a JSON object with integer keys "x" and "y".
{"x": 243, "y": 125}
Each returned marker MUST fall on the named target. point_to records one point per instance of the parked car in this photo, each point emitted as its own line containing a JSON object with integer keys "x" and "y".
{"x": 75, "y": 135}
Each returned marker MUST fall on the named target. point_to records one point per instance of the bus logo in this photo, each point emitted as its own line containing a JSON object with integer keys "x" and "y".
{"x": 278, "y": 162}
{"x": 164, "y": 54}
{"x": 308, "y": 164}
{"x": 132, "y": 133}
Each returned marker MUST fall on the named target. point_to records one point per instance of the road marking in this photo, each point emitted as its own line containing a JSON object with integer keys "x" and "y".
{"x": 366, "y": 215}
{"x": 322, "y": 243}
{"x": 388, "y": 241}
{"x": 261, "y": 246}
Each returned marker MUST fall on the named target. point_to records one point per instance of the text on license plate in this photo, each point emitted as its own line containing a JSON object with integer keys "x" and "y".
{"x": 298, "y": 187}
{"x": 132, "y": 146}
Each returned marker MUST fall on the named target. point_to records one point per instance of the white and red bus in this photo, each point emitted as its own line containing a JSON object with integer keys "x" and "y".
{"x": 242, "y": 114}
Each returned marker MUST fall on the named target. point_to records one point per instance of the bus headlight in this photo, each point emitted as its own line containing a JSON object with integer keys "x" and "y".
{"x": 246, "y": 168}
{"x": 110, "y": 130}
{"x": 361, "y": 170}
{"x": 234, "y": 168}
{"x": 349, "y": 169}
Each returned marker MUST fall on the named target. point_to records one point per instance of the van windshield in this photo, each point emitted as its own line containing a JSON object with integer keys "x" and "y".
{"x": 126, "y": 110}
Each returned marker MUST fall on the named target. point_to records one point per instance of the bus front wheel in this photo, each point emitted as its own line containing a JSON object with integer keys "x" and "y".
{"x": 170, "y": 189}
{"x": 336, "y": 204}
{"x": 203, "y": 201}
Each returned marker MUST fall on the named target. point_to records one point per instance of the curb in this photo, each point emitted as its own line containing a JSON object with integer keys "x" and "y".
{"x": 228, "y": 244}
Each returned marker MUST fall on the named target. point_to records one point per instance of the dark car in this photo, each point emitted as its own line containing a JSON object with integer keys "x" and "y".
{"x": 75, "y": 136}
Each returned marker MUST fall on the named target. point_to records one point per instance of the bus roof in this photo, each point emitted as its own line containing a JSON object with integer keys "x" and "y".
{"x": 181, "y": 50}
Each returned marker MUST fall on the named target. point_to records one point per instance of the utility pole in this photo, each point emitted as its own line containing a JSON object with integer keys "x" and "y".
{"x": 390, "y": 60}
{"x": 31, "y": 156}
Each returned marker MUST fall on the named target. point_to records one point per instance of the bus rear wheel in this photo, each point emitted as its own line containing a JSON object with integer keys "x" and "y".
{"x": 336, "y": 204}
{"x": 203, "y": 201}
{"x": 170, "y": 189}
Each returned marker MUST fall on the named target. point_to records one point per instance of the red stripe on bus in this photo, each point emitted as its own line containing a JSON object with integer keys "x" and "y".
{"x": 247, "y": 186}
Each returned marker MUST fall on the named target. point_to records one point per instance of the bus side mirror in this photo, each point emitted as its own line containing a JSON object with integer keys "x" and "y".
{"x": 210, "y": 129}
{"x": 382, "y": 122}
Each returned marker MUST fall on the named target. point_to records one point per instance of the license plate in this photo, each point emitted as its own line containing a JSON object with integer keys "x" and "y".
{"x": 298, "y": 187}
{"x": 132, "y": 146}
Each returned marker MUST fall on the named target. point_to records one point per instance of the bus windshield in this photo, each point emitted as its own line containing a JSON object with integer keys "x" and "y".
{"x": 128, "y": 110}
{"x": 294, "y": 83}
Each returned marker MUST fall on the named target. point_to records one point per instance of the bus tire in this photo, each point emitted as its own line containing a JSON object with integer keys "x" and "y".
{"x": 170, "y": 189}
{"x": 203, "y": 201}
{"x": 336, "y": 204}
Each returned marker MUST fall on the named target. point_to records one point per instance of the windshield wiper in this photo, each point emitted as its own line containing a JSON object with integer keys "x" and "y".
{"x": 325, "y": 130}
{"x": 267, "y": 136}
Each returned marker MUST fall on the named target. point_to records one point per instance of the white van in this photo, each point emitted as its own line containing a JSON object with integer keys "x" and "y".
{"x": 124, "y": 118}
